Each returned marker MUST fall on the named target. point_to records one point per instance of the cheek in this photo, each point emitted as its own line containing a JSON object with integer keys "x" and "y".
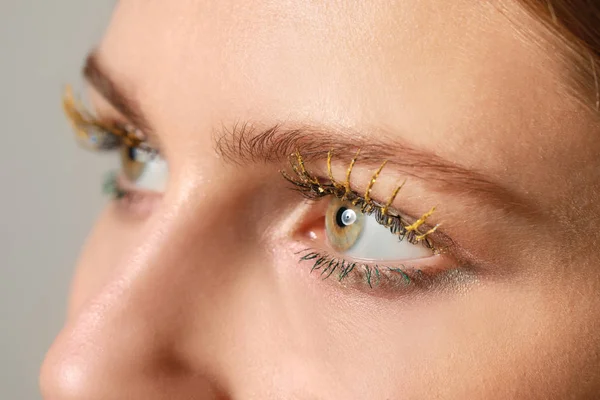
{"x": 493, "y": 342}
{"x": 242, "y": 308}
{"x": 501, "y": 343}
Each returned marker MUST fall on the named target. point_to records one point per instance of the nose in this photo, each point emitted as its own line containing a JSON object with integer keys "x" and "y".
{"x": 130, "y": 339}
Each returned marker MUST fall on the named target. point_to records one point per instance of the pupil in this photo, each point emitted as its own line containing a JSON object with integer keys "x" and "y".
{"x": 131, "y": 153}
{"x": 345, "y": 217}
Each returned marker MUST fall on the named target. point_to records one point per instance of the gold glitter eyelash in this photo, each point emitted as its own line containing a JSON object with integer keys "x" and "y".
{"x": 312, "y": 187}
{"x": 97, "y": 135}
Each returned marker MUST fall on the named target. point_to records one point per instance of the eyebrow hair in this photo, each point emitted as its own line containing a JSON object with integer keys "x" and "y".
{"x": 246, "y": 143}
{"x": 96, "y": 75}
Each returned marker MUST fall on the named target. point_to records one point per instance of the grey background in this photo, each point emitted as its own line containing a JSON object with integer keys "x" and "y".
{"x": 50, "y": 189}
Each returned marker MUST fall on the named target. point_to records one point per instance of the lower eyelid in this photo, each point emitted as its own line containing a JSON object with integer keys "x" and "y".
{"x": 391, "y": 283}
{"x": 130, "y": 199}
{"x": 368, "y": 274}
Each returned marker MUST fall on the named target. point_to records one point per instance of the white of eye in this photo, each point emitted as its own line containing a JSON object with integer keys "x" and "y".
{"x": 155, "y": 174}
{"x": 376, "y": 242}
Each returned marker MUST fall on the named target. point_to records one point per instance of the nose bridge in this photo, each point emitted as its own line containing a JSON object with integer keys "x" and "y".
{"x": 130, "y": 334}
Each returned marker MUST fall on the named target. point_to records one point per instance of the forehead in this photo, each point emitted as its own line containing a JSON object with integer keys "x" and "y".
{"x": 325, "y": 50}
{"x": 444, "y": 75}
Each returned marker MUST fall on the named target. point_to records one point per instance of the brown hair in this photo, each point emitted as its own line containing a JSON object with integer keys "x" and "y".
{"x": 577, "y": 24}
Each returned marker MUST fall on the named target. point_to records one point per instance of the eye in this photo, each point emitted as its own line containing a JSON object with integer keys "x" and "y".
{"x": 357, "y": 236}
{"x": 143, "y": 173}
{"x": 144, "y": 170}
{"x": 360, "y": 236}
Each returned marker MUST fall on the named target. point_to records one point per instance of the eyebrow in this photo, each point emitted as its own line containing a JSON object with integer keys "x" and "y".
{"x": 95, "y": 74}
{"x": 243, "y": 144}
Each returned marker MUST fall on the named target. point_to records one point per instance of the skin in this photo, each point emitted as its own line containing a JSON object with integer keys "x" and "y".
{"x": 199, "y": 295}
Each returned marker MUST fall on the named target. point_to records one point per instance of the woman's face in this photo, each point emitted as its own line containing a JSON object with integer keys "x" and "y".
{"x": 199, "y": 291}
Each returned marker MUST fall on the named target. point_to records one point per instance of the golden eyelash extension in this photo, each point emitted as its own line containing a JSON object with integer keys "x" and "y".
{"x": 311, "y": 187}
{"x": 96, "y": 135}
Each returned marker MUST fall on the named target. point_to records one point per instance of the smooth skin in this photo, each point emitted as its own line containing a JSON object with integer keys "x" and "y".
{"x": 200, "y": 295}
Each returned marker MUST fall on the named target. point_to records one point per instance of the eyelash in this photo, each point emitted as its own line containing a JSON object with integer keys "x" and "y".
{"x": 113, "y": 136}
{"x": 384, "y": 279}
{"x": 99, "y": 136}
{"x": 328, "y": 264}
{"x": 114, "y": 189}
